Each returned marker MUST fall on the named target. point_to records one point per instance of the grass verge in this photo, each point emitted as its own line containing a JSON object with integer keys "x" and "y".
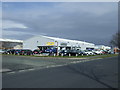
{"x": 92, "y": 56}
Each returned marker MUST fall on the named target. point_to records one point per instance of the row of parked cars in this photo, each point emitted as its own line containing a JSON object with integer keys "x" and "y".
{"x": 19, "y": 52}
{"x": 81, "y": 52}
{"x": 53, "y": 51}
{"x": 27, "y": 51}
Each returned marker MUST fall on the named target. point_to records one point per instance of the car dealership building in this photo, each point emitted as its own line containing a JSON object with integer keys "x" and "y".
{"x": 10, "y": 44}
{"x": 44, "y": 42}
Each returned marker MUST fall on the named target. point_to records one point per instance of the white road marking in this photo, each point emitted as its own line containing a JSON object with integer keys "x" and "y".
{"x": 10, "y": 72}
{"x": 59, "y": 65}
{"x": 53, "y": 66}
{"x": 22, "y": 70}
{"x": 47, "y": 66}
{"x": 30, "y": 69}
{"x": 4, "y": 70}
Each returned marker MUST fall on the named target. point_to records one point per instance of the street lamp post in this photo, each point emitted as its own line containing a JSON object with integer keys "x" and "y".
{"x": 57, "y": 48}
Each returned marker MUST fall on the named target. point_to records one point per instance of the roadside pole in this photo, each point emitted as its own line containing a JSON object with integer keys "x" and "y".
{"x": 57, "y": 48}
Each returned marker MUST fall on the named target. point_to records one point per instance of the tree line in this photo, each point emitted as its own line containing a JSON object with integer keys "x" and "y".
{"x": 116, "y": 40}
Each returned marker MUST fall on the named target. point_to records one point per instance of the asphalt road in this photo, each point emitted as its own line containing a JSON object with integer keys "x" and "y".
{"x": 15, "y": 63}
{"x": 102, "y": 73}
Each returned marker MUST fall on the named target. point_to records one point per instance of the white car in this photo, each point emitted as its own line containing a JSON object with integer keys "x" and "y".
{"x": 89, "y": 52}
{"x": 2, "y": 51}
{"x": 97, "y": 52}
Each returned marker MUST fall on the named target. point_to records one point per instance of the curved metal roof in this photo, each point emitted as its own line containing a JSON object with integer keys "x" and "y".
{"x": 10, "y": 40}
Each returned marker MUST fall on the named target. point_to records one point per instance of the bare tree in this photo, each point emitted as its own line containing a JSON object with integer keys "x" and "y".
{"x": 116, "y": 40}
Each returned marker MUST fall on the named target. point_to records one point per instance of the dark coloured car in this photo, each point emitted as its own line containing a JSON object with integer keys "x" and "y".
{"x": 26, "y": 52}
{"x": 64, "y": 52}
{"x": 71, "y": 53}
{"x": 76, "y": 52}
{"x": 82, "y": 52}
{"x": 51, "y": 50}
{"x": 17, "y": 51}
{"x": 37, "y": 51}
{"x": 10, "y": 51}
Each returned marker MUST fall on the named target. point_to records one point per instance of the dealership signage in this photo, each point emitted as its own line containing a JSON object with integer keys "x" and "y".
{"x": 50, "y": 43}
{"x": 63, "y": 44}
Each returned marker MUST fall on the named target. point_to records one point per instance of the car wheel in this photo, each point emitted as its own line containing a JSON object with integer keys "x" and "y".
{"x": 62, "y": 54}
{"x": 76, "y": 55}
{"x": 69, "y": 54}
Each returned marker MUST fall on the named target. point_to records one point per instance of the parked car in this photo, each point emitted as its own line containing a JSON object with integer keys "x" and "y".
{"x": 26, "y": 52}
{"x": 64, "y": 52}
{"x": 82, "y": 53}
{"x": 37, "y": 51}
{"x": 72, "y": 53}
{"x": 97, "y": 52}
{"x": 88, "y": 52}
{"x": 2, "y": 51}
{"x": 10, "y": 51}
{"x": 105, "y": 52}
{"x": 17, "y": 51}
{"x": 109, "y": 51}
{"x": 76, "y": 52}
{"x": 51, "y": 50}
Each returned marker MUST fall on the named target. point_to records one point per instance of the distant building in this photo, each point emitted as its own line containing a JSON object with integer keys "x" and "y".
{"x": 11, "y": 44}
{"x": 102, "y": 47}
{"x": 45, "y": 42}
{"x": 116, "y": 50}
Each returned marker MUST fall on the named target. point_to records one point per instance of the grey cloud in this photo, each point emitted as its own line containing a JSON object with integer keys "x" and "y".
{"x": 83, "y": 21}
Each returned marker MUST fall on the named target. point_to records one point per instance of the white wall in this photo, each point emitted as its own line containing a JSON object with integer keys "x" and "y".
{"x": 33, "y": 42}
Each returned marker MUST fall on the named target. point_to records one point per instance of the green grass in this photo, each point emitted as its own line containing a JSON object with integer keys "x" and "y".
{"x": 98, "y": 56}
{"x": 108, "y": 55}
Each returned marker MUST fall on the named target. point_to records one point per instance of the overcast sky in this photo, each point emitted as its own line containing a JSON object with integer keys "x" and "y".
{"x": 86, "y": 21}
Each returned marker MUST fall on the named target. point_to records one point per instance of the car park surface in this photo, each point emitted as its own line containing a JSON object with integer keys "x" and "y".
{"x": 16, "y": 62}
{"x": 101, "y": 73}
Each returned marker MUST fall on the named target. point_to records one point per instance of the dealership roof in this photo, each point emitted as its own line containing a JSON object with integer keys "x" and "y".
{"x": 10, "y": 40}
{"x": 61, "y": 39}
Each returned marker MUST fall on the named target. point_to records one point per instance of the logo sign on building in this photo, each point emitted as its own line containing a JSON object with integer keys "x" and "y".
{"x": 50, "y": 43}
{"x": 63, "y": 44}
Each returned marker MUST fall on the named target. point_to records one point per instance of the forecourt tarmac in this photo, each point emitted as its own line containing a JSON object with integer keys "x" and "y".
{"x": 99, "y": 73}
